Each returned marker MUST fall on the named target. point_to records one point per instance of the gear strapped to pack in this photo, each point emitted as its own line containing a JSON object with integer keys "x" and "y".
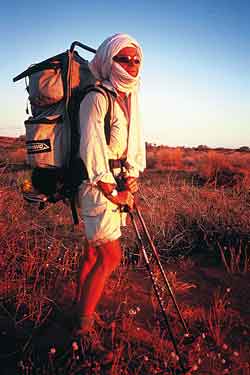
{"x": 56, "y": 88}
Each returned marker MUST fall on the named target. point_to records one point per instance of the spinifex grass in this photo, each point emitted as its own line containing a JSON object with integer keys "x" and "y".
{"x": 39, "y": 257}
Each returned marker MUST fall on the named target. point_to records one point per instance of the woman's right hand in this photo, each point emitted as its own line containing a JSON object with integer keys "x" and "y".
{"x": 123, "y": 198}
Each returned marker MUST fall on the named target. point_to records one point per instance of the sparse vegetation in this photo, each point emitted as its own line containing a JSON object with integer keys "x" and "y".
{"x": 196, "y": 206}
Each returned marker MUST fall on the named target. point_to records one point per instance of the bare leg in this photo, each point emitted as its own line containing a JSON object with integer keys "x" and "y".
{"x": 108, "y": 257}
{"x": 86, "y": 264}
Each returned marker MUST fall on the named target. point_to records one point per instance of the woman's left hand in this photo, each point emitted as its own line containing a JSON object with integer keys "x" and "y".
{"x": 131, "y": 184}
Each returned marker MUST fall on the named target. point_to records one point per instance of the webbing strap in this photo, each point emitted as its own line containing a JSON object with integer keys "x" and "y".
{"x": 117, "y": 163}
{"x": 73, "y": 209}
{"x": 107, "y": 119}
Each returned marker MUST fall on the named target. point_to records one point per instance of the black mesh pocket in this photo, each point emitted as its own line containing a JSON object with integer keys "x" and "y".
{"x": 47, "y": 181}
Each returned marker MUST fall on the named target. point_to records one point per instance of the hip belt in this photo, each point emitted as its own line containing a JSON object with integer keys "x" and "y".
{"x": 117, "y": 169}
{"x": 117, "y": 163}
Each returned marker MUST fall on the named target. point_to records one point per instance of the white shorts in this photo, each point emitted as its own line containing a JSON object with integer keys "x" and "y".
{"x": 102, "y": 218}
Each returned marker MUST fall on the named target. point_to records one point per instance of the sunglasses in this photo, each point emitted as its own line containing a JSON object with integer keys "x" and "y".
{"x": 127, "y": 59}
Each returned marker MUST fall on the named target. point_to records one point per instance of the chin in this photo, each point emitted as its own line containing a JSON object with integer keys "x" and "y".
{"x": 133, "y": 74}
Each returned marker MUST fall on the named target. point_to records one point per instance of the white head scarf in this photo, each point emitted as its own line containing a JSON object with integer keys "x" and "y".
{"x": 104, "y": 68}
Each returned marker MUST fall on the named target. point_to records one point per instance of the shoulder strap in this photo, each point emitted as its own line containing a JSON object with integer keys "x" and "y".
{"x": 107, "y": 120}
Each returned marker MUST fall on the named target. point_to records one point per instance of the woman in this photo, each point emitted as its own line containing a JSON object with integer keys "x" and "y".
{"x": 116, "y": 66}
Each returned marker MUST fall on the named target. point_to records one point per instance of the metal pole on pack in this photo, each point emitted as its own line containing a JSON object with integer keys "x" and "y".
{"x": 70, "y": 55}
{"x": 84, "y": 46}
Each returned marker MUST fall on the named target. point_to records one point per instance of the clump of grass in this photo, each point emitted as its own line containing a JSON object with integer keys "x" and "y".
{"x": 219, "y": 318}
{"x": 235, "y": 260}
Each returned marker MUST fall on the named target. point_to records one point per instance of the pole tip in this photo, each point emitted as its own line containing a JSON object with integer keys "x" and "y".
{"x": 188, "y": 339}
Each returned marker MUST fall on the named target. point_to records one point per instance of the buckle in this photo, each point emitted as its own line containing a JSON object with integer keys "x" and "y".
{"x": 116, "y": 163}
{"x": 35, "y": 198}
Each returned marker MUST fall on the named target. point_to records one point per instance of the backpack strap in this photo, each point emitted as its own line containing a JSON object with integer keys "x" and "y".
{"x": 107, "y": 119}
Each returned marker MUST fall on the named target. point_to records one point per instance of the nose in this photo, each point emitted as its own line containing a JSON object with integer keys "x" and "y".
{"x": 133, "y": 62}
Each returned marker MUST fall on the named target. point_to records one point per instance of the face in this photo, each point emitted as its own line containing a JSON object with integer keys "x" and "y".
{"x": 128, "y": 58}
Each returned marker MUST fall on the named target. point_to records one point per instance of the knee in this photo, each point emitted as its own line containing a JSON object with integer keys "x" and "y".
{"x": 90, "y": 256}
{"x": 114, "y": 261}
{"x": 110, "y": 256}
{"x": 108, "y": 263}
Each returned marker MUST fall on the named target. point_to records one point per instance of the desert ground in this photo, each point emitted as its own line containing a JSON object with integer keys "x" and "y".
{"x": 196, "y": 206}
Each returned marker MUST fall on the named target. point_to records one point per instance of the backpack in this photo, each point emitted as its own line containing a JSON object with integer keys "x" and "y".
{"x": 56, "y": 88}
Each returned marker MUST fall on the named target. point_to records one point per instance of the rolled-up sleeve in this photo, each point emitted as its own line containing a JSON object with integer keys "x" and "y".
{"x": 93, "y": 146}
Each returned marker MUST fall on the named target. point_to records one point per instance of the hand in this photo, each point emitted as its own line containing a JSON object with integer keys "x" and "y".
{"x": 131, "y": 184}
{"x": 105, "y": 187}
{"x": 123, "y": 198}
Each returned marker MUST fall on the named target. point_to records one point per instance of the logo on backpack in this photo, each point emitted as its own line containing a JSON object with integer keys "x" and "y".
{"x": 36, "y": 147}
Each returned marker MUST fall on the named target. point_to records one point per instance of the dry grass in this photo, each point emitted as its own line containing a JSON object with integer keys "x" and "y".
{"x": 202, "y": 233}
{"x": 218, "y": 167}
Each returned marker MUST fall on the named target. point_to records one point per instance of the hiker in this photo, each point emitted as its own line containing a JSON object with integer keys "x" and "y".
{"x": 116, "y": 66}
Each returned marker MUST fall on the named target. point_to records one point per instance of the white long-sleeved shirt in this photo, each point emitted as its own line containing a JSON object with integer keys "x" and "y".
{"x": 94, "y": 150}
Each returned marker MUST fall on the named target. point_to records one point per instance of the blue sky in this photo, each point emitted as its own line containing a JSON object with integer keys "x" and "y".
{"x": 196, "y": 76}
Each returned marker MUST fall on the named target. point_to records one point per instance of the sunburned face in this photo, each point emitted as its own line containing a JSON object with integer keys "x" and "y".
{"x": 128, "y": 58}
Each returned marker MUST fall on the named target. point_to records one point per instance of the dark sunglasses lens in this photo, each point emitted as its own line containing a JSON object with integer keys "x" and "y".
{"x": 122, "y": 59}
{"x": 126, "y": 60}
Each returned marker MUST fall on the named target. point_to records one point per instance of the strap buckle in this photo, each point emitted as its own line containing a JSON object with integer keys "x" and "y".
{"x": 117, "y": 163}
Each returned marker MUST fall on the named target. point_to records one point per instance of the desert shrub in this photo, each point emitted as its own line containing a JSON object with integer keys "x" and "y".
{"x": 220, "y": 167}
{"x": 188, "y": 162}
{"x": 202, "y": 148}
{"x": 17, "y": 156}
{"x": 244, "y": 185}
{"x": 241, "y": 161}
{"x": 192, "y": 220}
{"x": 215, "y": 168}
{"x": 151, "y": 160}
{"x": 214, "y": 163}
{"x": 243, "y": 149}
{"x": 171, "y": 158}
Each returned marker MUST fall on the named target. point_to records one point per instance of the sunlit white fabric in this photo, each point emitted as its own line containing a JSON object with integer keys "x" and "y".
{"x": 94, "y": 150}
{"x": 105, "y": 69}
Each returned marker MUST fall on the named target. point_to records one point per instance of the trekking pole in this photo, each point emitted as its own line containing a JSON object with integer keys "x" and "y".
{"x": 157, "y": 292}
{"x": 155, "y": 253}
